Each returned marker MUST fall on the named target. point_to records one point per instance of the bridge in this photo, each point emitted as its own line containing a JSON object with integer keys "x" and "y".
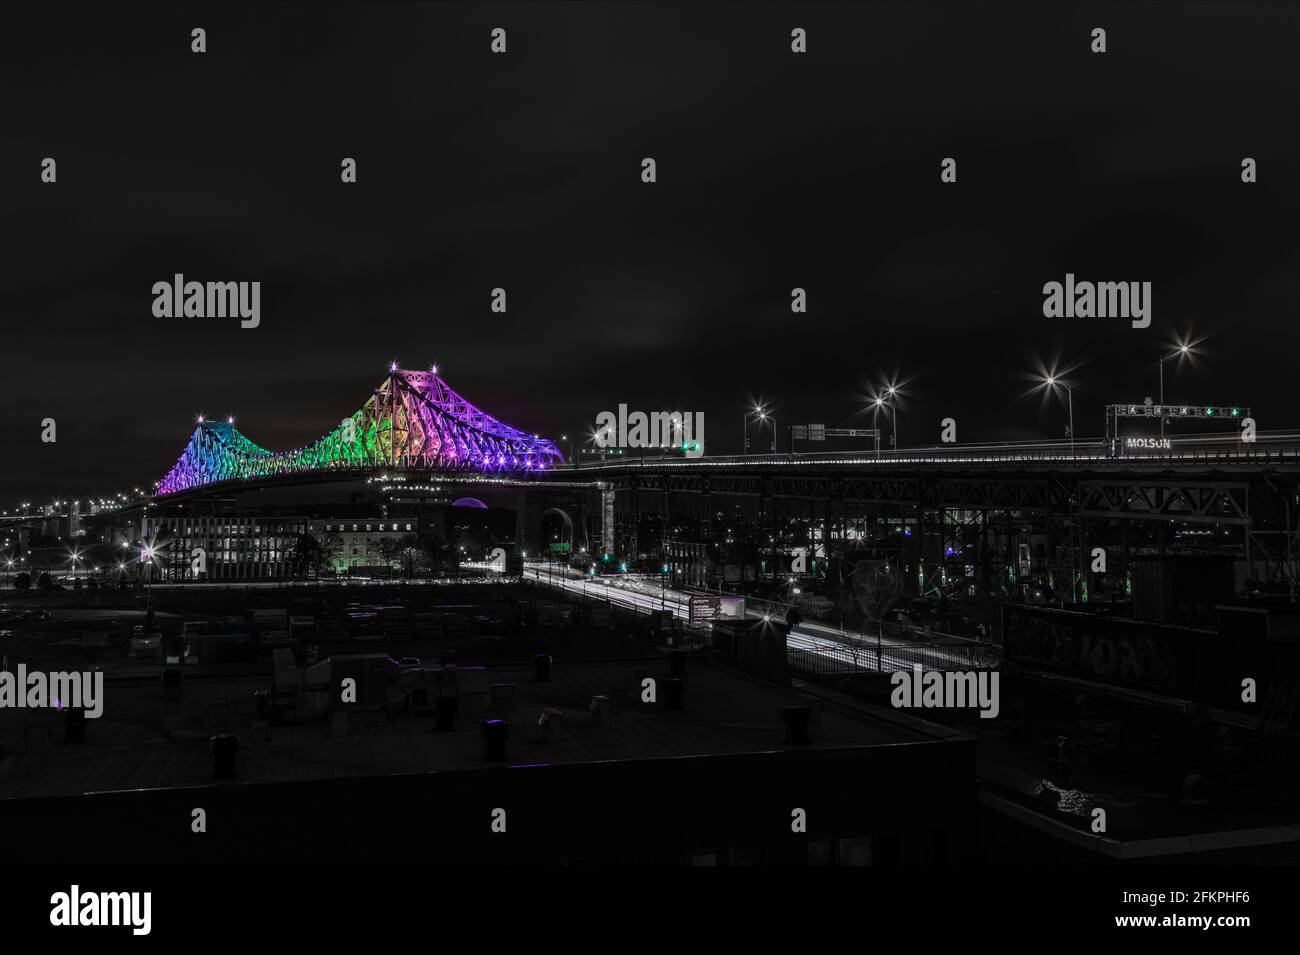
{"x": 968, "y": 511}
{"x": 971, "y": 513}
{"x": 413, "y": 420}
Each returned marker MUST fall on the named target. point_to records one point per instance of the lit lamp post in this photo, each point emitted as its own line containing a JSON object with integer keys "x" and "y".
{"x": 891, "y": 393}
{"x": 893, "y": 408}
{"x": 1051, "y": 381}
{"x": 1048, "y": 381}
{"x": 1181, "y": 352}
{"x": 761, "y": 413}
{"x": 147, "y": 552}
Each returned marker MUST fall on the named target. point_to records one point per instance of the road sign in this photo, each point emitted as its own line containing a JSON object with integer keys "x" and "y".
{"x": 819, "y": 432}
{"x": 1148, "y": 410}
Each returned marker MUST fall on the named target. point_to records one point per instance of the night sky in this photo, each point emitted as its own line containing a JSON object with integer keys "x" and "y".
{"x": 523, "y": 171}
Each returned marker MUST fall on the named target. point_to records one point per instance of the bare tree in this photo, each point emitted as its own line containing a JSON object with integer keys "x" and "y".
{"x": 331, "y": 546}
{"x": 390, "y": 550}
{"x": 408, "y": 555}
{"x": 873, "y": 587}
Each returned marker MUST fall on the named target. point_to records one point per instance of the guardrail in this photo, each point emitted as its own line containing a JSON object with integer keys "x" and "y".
{"x": 842, "y": 660}
{"x": 1221, "y": 449}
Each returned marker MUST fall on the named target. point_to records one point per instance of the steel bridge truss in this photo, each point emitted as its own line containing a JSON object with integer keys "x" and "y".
{"x": 988, "y": 521}
{"x": 412, "y": 420}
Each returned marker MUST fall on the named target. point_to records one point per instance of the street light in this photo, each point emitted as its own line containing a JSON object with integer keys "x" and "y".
{"x": 891, "y": 393}
{"x": 761, "y": 413}
{"x": 147, "y": 552}
{"x": 1184, "y": 350}
{"x": 1048, "y": 380}
{"x": 1051, "y": 382}
{"x": 886, "y": 396}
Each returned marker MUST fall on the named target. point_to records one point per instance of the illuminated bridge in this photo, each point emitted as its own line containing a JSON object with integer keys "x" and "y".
{"x": 973, "y": 515}
{"x": 413, "y": 420}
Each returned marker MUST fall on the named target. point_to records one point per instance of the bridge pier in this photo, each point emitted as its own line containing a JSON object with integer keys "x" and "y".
{"x": 528, "y": 523}
{"x": 533, "y": 504}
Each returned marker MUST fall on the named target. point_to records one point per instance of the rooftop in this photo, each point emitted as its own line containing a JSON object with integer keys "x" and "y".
{"x": 144, "y": 742}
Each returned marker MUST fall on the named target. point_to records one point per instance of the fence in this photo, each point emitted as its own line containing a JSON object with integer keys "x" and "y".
{"x": 1227, "y": 448}
{"x": 855, "y": 660}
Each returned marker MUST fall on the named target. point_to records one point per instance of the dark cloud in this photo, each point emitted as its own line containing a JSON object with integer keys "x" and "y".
{"x": 522, "y": 171}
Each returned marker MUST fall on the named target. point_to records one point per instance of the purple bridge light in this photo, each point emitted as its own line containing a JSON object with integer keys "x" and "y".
{"x": 413, "y": 420}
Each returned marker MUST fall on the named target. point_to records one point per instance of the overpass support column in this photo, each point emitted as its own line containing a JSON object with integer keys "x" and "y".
{"x": 581, "y": 528}
{"x": 528, "y": 523}
{"x": 607, "y": 520}
{"x": 706, "y": 511}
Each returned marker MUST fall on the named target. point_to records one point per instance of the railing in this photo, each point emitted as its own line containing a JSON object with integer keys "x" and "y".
{"x": 855, "y": 661}
{"x": 1274, "y": 447}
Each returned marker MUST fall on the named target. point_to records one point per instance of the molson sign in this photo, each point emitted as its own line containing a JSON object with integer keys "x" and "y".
{"x": 1148, "y": 444}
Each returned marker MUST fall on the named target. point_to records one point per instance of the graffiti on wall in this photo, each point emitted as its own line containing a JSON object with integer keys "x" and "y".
{"x": 1101, "y": 648}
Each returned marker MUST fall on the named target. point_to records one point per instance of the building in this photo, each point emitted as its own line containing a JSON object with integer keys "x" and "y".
{"x": 362, "y": 544}
{"x": 689, "y": 564}
{"x": 722, "y": 769}
{"x": 230, "y": 547}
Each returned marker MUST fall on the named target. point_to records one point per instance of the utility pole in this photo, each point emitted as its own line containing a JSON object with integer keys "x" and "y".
{"x": 1162, "y": 395}
{"x": 1070, "y": 395}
